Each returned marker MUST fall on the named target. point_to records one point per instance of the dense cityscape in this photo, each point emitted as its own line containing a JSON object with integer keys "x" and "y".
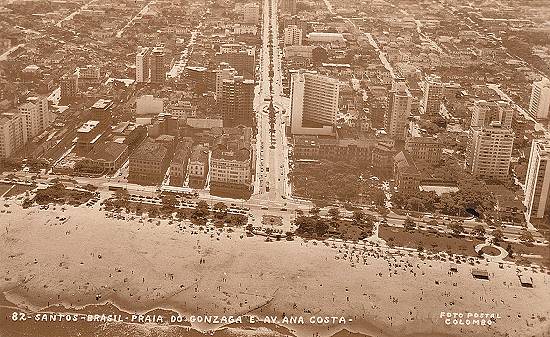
{"x": 291, "y": 158}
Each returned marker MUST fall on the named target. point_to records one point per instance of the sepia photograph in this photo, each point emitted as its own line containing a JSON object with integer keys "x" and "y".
{"x": 275, "y": 168}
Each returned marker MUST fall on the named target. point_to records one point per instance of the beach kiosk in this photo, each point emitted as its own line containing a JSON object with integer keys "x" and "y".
{"x": 482, "y": 274}
{"x": 526, "y": 281}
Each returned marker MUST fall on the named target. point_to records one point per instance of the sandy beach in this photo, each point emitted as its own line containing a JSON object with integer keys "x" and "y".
{"x": 79, "y": 256}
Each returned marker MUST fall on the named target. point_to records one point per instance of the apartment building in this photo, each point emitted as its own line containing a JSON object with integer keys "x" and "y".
{"x": 142, "y": 64}
{"x": 230, "y": 172}
{"x": 314, "y": 104}
{"x": 539, "y": 105}
{"x": 490, "y": 151}
{"x": 537, "y": 182}
{"x": 432, "y": 95}
{"x": 13, "y": 133}
{"x": 293, "y": 36}
{"x": 399, "y": 110}
{"x": 37, "y": 115}
{"x": 157, "y": 65}
{"x": 237, "y": 102}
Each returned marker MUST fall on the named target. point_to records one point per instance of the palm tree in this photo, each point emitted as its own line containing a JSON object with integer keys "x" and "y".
{"x": 314, "y": 211}
{"x": 168, "y": 201}
{"x": 201, "y": 209}
{"x": 456, "y": 227}
{"x": 497, "y": 235}
{"x": 478, "y": 230}
{"x": 220, "y": 207}
{"x": 433, "y": 223}
{"x": 334, "y": 213}
{"x": 358, "y": 216}
{"x": 409, "y": 224}
{"x": 527, "y": 237}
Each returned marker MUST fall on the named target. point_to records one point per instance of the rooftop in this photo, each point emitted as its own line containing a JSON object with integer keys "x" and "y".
{"x": 88, "y": 126}
{"x": 199, "y": 153}
{"x": 102, "y": 104}
{"x": 108, "y": 151}
{"x": 223, "y": 154}
{"x": 150, "y": 150}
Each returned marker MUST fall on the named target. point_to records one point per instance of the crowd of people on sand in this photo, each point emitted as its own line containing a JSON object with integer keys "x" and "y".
{"x": 397, "y": 263}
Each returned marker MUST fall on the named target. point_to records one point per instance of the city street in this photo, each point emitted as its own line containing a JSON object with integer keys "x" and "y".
{"x": 271, "y": 183}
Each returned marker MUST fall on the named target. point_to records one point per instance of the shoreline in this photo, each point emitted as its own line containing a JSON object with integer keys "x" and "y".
{"x": 166, "y": 268}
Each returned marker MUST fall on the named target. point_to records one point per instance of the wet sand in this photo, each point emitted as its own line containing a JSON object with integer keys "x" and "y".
{"x": 91, "y": 259}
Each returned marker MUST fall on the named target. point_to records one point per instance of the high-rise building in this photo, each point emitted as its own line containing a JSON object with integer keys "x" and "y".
{"x": 37, "y": 115}
{"x": 399, "y": 110}
{"x": 539, "y": 106}
{"x": 314, "y": 104}
{"x": 293, "y": 36}
{"x": 491, "y": 139}
{"x": 13, "y": 133}
{"x": 537, "y": 182}
{"x": 240, "y": 57}
{"x": 157, "y": 65}
{"x": 69, "y": 87}
{"x": 433, "y": 93}
{"x": 288, "y": 6}
{"x": 142, "y": 65}
{"x": 224, "y": 72}
{"x": 484, "y": 113}
{"x": 251, "y": 13}
{"x": 490, "y": 151}
{"x": 237, "y": 102}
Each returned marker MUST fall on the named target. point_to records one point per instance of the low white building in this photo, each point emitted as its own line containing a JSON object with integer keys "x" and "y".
{"x": 149, "y": 105}
{"x": 324, "y": 37}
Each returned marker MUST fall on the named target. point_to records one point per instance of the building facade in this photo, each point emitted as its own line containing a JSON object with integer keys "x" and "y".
{"x": 37, "y": 115}
{"x": 484, "y": 113}
{"x": 314, "y": 104}
{"x": 251, "y": 14}
{"x": 399, "y": 110}
{"x": 239, "y": 56}
{"x": 142, "y": 64}
{"x": 90, "y": 73}
{"x": 537, "y": 182}
{"x": 157, "y": 64}
{"x": 490, "y": 151}
{"x": 237, "y": 102}
{"x": 69, "y": 87}
{"x": 424, "y": 150}
{"x": 293, "y": 36}
{"x": 148, "y": 163}
{"x": 491, "y": 140}
{"x": 230, "y": 173}
{"x": 198, "y": 166}
{"x": 433, "y": 93}
{"x": 224, "y": 72}
{"x": 407, "y": 176}
{"x": 178, "y": 166}
{"x": 288, "y": 6}
{"x": 13, "y": 133}
{"x": 539, "y": 105}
